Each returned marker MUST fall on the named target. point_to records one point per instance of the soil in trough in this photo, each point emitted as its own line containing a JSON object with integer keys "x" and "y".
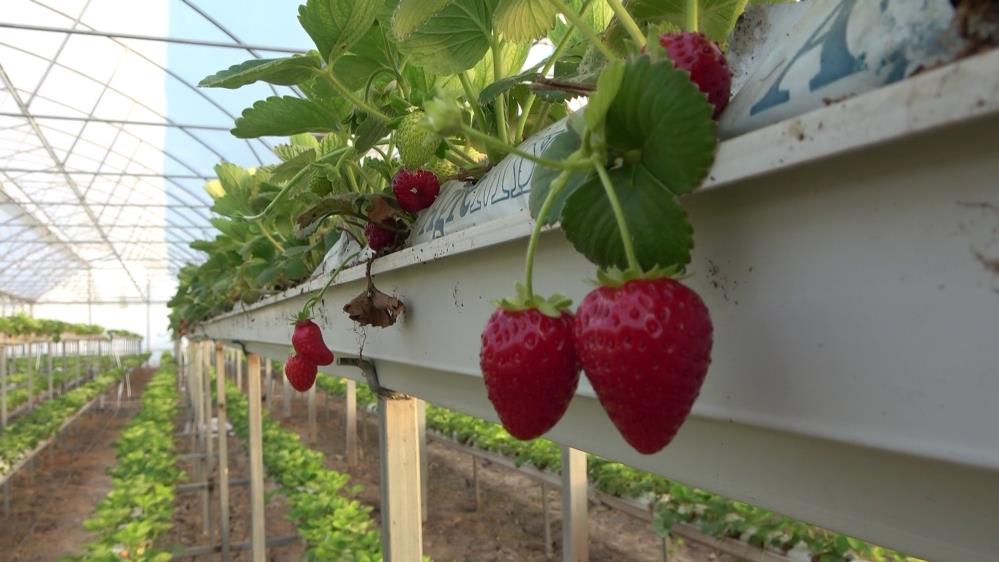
{"x": 52, "y": 496}
{"x": 507, "y": 526}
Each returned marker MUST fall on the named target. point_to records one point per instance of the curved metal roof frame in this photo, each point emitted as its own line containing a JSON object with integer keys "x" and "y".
{"x": 89, "y": 183}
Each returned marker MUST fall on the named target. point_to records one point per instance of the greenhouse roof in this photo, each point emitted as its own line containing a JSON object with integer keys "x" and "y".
{"x": 106, "y": 140}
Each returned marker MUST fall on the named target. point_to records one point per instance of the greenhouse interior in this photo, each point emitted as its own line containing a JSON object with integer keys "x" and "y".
{"x": 499, "y": 280}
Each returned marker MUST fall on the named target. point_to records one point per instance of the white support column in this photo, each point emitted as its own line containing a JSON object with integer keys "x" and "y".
{"x": 351, "y": 424}
{"x": 256, "y": 459}
{"x": 575, "y": 547}
{"x": 223, "y": 472}
{"x": 399, "y": 446}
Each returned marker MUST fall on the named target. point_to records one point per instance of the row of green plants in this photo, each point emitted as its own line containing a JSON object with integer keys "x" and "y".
{"x": 139, "y": 508}
{"x": 331, "y": 521}
{"x": 22, "y": 436}
{"x": 64, "y": 371}
{"x": 675, "y": 503}
{"x": 24, "y": 325}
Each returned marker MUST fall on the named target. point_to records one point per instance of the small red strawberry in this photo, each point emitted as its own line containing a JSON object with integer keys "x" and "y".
{"x": 384, "y": 239}
{"x": 307, "y": 340}
{"x": 705, "y": 62}
{"x": 415, "y": 189}
{"x": 530, "y": 368}
{"x": 301, "y": 372}
{"x": 645, "y": 346}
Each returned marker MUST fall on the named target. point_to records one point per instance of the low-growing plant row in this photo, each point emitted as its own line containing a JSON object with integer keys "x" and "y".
{"x": 712, "y": 514}
{"x": 64, "y": 371}
{"x": 44, "y": 421}
{"x": 139, "y": 507}
{"x": 333, "y": 524}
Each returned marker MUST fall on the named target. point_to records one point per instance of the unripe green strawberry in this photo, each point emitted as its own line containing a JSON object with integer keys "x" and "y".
{"x": 417, "y": 143}
{"x": 442, "y": 169}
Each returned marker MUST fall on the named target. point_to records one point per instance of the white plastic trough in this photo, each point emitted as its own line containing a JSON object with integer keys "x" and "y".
{"x": 848, "y": 260}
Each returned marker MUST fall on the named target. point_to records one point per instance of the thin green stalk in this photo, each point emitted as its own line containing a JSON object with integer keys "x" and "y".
{"x": 294, "y": 179}
{"x": 622, "y": 223}
{"x": 267, "y": 234}
{"x": 628, "y": 22}
{"x": 472, "y": 98}
{"x": 590, "y": 35}
{"x": 554, "y": 189}
{"x": 309, "y": 304}
{"x": 563, "y": 44}
{"x": 502, "y": 127}
{"x": 351, "y": 97}
{"x": 692, "y": 17}
{"x": 506, "y": 148}
{"x": 546, "y": 108}
{"x": 352, "y": 180}
{"x": 468, "y": 160}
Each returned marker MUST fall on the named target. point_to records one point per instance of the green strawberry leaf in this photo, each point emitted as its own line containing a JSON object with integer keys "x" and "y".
{"x": 490, "y": 92}
{"x": 282, "y": 116}
{"x": 373, "y": 53}
{"x": 453, "y": 39}
{"x": 335, "y": 25}
{"x": 560, "y": 149}
{"x": 661, "y": 234}
{"x": 410, "y": 14}
{"x": 524, "y": 20}
{"x": 716, "y": 18}
{"x": 660, "y": 116}
{"x": 285, "y": 171}
{"x": 284, "y": 72}
{"x": 601, "y": 99}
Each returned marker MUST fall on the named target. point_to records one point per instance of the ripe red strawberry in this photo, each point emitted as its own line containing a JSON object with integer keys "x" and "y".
{"x": 645, "y": 346}
{"x": 415, "y": 189}
{"x": 301, "y": 372}
{"x": 705, "y": 62}
{"x": 382, "y": 239}
{"x": 307, "y": 340}
{"x": 530, "y": 369}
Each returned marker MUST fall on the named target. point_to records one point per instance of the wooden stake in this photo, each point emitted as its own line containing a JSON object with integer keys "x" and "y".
{"x": 575, "y": 546}
{"x": 239, "y": 370}
{"x": 204, "y": 364}
{"x": 421, "y": 429}
{"x": 3, "y": 386}
{"x": 286, "y": 397}
{"x": 256, "y": 458}
{"x": 351, "y": 424}
{"x": 475, "y": 482}
{"x": 313, "y": 426}
{"x": 546, "y": 516}
{"x": 399, "y": 447}
{"x": 223, "y": 450}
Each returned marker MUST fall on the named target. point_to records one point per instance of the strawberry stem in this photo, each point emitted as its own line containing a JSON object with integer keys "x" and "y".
{"x": 507, "y": 149}
{"x": 622, "y": 223}
{"x": 309, "y": 304}
{"x": 351, "y": 97}
{"x": 583, "y": 28}
{"x": 628, "y": 22}
{"x": 692, "y": 18}
{"x": 501, "y": 119}
{"x": 554, "y": 189}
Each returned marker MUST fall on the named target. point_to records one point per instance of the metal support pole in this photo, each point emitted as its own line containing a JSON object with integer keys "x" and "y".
{"x": 575, "y": 546}
{"x": 223, "y": 450}
{"x": 351, "y": 424}
{"x": 256, "y": 459}
{"x": 399, "y": 447}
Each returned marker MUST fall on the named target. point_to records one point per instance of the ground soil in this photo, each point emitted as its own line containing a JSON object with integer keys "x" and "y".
{"x": 508, "y": 524}
{"x": 52, "y": 496}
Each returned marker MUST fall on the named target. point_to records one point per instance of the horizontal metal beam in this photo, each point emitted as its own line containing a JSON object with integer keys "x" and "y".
{"x": 118, "y": 121}
{"x": 15, "y": 203}
{"x": 102, "y": 173}
{"x": 176, "y": 40}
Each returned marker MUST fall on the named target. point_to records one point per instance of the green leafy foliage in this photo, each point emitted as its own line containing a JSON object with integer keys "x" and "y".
{"x": 285, "y": 115}
{"x": 335, "y": 25}
{"x": 524, "y": 20}
{"x": 453, "y": 39}
{"x": 139, "y": 507}
{"x": 284, "y": 71}
{"x": 24, "y": 325}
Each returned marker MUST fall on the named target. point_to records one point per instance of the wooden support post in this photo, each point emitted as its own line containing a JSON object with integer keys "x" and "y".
{"x": 78, "y": 362}
{"x": 575, "y": 547}
{"x": 31, "y": 375}
{"x": 547, "y": 518}
{"x": 475, "y": 482}
{"x": 286, "y": 397}
{"x": 399, "y": 447}
{"x": 223, "y": 450}
{"x": 256, "y": 459}
{"x": 351, "y": 424}
{"x": 204, "y": 363}
{"x": 313, "y": 425}
{"x": 421, "y": 429}
{"x": 48, "y": 366}
{"x": 3, "y": 386}
{"x": 239, "y": 370}
{"x": 269, "y": 375}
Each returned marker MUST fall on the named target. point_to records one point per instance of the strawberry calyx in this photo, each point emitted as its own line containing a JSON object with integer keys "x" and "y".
{"x": 552, "y": 306}
{"x": 614, "y": 277}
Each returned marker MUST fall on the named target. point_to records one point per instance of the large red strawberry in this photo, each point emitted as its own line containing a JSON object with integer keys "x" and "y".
{"x": 301, "y": 372}
{"x": 385, "y": 238}
{"x": 530, "y": 369}
{"x": 705, "y": 62}
{"x": 307, "y": 340}
{"x": 415, "y": 189}
{"x": 645, "y": 346}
